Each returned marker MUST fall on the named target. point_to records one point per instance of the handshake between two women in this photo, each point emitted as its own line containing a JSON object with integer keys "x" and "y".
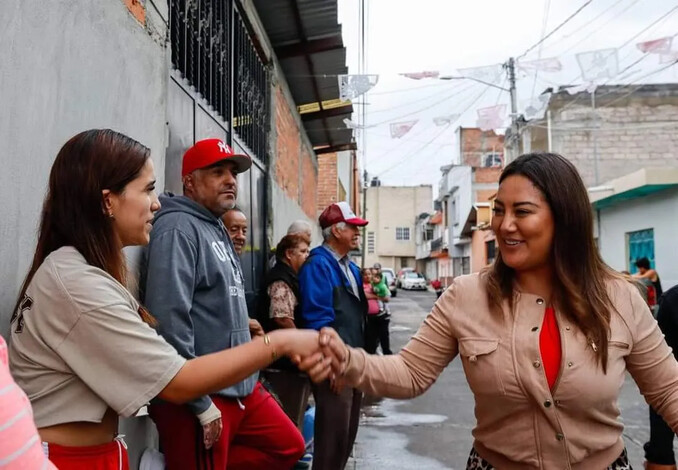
{"x": 320, "y": 354}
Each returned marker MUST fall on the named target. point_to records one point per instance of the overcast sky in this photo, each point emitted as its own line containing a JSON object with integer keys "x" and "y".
{"x": 445, "y": 35}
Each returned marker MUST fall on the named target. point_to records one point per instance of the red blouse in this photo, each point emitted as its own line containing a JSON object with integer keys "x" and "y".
{"x": 549, "y": 346}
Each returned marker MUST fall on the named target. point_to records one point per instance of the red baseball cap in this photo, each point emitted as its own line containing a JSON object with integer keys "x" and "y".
{"x": 340, "y": 212}
{"x": 210, "y": 151}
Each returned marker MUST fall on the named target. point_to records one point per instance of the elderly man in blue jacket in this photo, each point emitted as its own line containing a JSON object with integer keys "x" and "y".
{"x": 332, "y": 295}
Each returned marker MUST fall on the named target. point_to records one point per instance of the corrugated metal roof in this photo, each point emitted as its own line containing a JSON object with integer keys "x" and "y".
{"x": 290, "y": 22}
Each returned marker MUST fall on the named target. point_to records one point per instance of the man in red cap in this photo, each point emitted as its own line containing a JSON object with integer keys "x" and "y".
{"x": 193, "y": 283}
{"x": 332, "y": 295}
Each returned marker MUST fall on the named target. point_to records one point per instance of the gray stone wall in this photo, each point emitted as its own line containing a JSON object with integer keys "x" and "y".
{"x": 622, "y": 138}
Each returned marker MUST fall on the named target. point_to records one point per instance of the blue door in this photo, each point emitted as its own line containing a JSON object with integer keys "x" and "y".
{"x": 640, "y": 244}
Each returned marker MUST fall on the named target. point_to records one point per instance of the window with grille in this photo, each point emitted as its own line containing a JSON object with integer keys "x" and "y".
{"x": 370, "y": 242}
{"x": 492, "y": 160}
{"x": 402, "y": 233}
{"x": 219, "y": 67}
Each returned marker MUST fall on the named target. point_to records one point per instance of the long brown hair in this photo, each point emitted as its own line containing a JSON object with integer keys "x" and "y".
{"x": 580, "y": 274}
{"x": 73, "y": 213}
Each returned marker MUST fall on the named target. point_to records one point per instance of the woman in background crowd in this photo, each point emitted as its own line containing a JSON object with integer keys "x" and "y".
{"x": 280, "y": 309}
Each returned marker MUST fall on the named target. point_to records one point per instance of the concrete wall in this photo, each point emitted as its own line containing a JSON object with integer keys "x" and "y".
{"x": 389, "y": 207}
{"x": 68, "y": 66}
{"x": 629, "y": 135}
{"x": 659, "y": 212}
{"x": 286, "y": 211}
{"x": 345, "y": 173}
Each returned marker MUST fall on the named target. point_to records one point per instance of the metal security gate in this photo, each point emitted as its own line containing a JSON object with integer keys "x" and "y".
{"x": 219, "y": 87}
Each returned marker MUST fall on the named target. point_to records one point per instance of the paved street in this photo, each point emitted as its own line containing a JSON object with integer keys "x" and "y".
{"x": 433, "y": 431}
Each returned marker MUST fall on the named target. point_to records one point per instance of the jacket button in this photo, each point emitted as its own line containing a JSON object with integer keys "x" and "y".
{"x": 567, "y": 328}
{"x": 535, "y": 328}
{"x": 540, "y": 301}
{"x": 570, "y": 364}
{"x": 536, "y": 364}
{"x": 560, "y": 436}
{"x": 547, "y": 403}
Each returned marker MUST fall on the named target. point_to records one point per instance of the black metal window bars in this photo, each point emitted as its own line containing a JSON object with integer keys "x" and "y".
{"x": 203, "y": 52}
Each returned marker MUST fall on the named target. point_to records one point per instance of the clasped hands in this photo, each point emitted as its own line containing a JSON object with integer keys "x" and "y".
{"x": 327, "y": 359}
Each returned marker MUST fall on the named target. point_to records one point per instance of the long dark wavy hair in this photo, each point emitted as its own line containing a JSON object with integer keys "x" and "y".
{"x": 73, "y": 213}
{"x": 580, "y": 274}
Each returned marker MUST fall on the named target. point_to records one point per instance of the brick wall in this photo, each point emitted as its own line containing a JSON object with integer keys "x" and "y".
{"x": 327, "y": 180}
{"x": 487, "y": 175}
{"x": 309, "y": 185}
{"x": 287, "y": 147}
{"x": 137, "y": 9}
{"x": 626, "y": 141}
{"x": 476, "y": 143}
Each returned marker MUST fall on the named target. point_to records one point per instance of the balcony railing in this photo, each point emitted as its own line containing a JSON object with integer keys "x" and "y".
{"x": 437, "y": 244}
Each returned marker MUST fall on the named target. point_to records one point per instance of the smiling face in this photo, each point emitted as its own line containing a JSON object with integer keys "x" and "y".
{"x": 348, "y": 237}
{"x": 236, "y": 225}
{"x": 132, "y": 209}
{"x": 214, "y": 187}
{"x": 523, "y": 224}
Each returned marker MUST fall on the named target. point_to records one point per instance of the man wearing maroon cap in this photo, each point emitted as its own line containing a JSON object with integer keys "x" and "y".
{"x": 332, "y": 295}
{"x": 192, "y": 281}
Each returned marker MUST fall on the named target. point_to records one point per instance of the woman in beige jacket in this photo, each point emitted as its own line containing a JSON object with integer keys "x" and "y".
{"x": 546, "y": 335}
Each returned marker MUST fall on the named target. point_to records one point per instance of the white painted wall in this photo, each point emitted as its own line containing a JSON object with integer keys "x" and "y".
{"x": 659, "y": 212}
{"x": 345, "y": 172}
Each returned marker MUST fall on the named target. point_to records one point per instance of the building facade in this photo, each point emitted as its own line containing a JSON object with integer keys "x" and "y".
{"x": 392, "y": 212}
{"x": 464, "y": 194}
{"x": 636, "y": 217}
{"x": 609, "y": 132}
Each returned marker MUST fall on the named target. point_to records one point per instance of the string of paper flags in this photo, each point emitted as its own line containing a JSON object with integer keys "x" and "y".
{"x": 595, "y": 66}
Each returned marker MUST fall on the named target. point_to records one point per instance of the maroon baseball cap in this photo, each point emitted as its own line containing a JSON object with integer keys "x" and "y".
{"x": 339, "y": 212}
{"x": 210, "y": 151}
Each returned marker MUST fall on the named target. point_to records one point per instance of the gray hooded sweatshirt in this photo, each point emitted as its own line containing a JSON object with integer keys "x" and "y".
{"x": 192, "y": 282}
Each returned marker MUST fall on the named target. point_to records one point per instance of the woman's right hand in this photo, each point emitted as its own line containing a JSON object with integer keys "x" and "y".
{"x": 333, "y": 347}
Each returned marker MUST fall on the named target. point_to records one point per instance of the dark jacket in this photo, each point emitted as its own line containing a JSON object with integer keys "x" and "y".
{"x": 328, "y": 300}
{"x": 280, "y": 272}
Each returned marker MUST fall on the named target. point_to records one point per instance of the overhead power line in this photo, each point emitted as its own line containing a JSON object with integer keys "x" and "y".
{"x": 567, "y": 20}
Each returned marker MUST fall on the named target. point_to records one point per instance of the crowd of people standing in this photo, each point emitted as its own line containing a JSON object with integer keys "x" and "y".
{"x": 545, "y": 335}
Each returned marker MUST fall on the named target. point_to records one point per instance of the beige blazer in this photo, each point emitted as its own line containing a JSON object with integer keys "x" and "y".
{"x": 521, "y": 423}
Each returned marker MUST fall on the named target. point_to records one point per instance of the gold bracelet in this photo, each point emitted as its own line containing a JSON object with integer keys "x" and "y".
{"x": 267, "y": 342}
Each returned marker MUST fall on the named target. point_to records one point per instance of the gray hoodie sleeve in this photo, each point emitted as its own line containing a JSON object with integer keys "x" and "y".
{"x": 168, "y": 294}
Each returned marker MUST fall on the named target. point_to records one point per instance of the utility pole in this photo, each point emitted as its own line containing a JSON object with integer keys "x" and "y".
{"x": 364, "y": 215}
{"x": 515, "y": 136}
{"x": 594, "y": 132}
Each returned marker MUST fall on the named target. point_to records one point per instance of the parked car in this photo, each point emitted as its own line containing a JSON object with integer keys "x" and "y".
{"x": 401, "y": 275}
{"x": 389, "y": 274}
{"x": 413, "y": 280}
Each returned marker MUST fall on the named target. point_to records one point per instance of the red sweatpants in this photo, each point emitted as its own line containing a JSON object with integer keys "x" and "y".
{"x": 110, "y": 456}
{"x": 260, "y": 436}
